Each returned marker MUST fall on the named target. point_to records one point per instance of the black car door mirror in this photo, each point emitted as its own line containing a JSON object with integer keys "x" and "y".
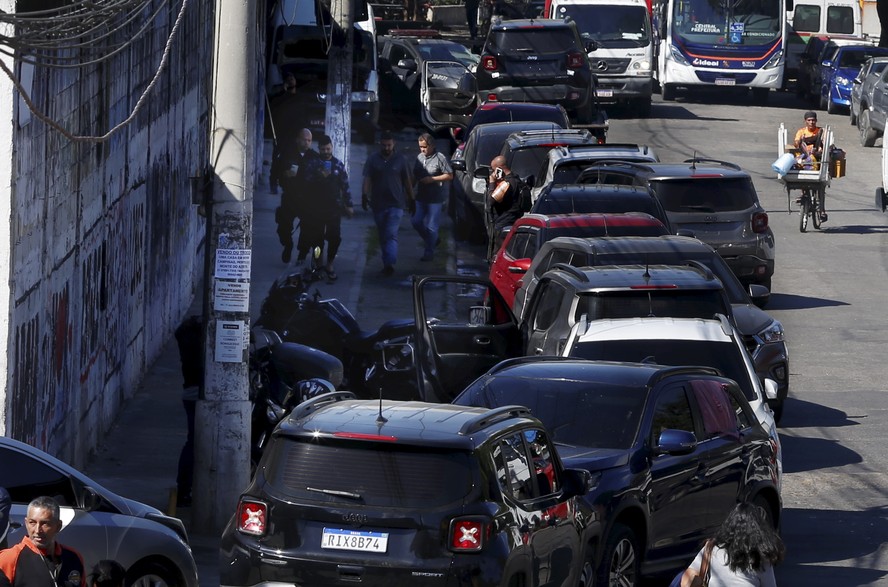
{"x": 676, "y": 442}
{"x": 408, "y": 64}
{"x": 482, "y": 172}
{"x": 576, "y": 482}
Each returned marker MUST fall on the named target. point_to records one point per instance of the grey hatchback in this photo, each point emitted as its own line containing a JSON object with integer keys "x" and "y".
{"x": 713, "y": 200}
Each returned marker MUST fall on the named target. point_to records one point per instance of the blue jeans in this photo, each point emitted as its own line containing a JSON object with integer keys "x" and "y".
{"x": 388, "y": 220}
{"x": 425, "y": 222}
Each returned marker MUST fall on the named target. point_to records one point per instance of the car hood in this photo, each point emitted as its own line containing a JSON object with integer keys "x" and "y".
{"x": 750, "y": 319}
{"x": 592, "y": 459}
{"x": 847, "y": 72}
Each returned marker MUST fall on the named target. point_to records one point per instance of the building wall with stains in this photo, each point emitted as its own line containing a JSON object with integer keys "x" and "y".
{"x": 106, "y": 245}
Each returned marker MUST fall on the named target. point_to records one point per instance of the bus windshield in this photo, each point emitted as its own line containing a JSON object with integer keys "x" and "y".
{"x": 728, "y": 22}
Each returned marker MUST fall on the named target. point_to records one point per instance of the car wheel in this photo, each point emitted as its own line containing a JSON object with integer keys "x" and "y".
{"x": 831, "y": 107}
{"x": 620, "y": 562}
{"x": 851, "y": 116}
{"x": 881, "y": 199}
{"x": 867, "y": 134}
{"x": 769, "y": 512}
{"x": 668, "y": 92}
{"x": 152, "y": 574}
{"x": 823, "y": 101}
{"x": 587, "y": 576}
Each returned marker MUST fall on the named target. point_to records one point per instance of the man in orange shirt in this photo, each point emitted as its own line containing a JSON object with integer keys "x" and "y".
{"x": 809, "y": 138}
{"x": 39, "y": 560}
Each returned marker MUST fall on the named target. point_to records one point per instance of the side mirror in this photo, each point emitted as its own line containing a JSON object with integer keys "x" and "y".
{"x": 520, "y": 266}
{"x": 458, "y": 164}
{"x": 482, "y": 172}
{"x": 576, "y": 482}
{"x": 676, "y": 442}
{"x": 759, "y": 294}
{"x": 91, "y": 499}
{"x": 770, "y": 388}
{"x": 409, "y": 64}
{"x": 857, "y": 80}
{"x": 589, "y": 45}
{"x": 686, "y": 232}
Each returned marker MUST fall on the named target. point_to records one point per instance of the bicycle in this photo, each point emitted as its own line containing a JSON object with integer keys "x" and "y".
{"x": 809, "y": 206}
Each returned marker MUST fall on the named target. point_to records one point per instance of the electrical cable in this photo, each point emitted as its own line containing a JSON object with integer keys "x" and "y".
{"x": 141, "y": 101}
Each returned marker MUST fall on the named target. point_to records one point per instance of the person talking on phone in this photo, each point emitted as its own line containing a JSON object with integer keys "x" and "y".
{"x": 322, "y": 215}
{"x": 503, "y": 202}
{"x": 295, "y": 168}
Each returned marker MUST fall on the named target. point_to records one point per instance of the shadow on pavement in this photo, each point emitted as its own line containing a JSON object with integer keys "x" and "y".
{"x": 784, "y": 301}
{"x": 804, "y": 414}
{"x": 812, "y": 454}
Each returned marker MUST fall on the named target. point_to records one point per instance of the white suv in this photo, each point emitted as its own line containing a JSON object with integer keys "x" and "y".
{"x": 678, "y": 342}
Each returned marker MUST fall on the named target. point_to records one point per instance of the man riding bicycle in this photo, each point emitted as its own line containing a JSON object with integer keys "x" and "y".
{"x": 809, "y": 141}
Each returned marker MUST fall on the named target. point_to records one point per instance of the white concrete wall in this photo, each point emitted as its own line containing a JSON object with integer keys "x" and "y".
{"x": 104, "y": 244}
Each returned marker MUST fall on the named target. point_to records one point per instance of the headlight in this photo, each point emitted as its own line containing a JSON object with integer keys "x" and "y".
{"x": 773, "y": 333}
{"x": 775, "y": 60}
{"x": 642, "y": 66}
{"x": 677, "y": 56}
{"x": 479, "y": 186}
{"x": 842, "y": 81}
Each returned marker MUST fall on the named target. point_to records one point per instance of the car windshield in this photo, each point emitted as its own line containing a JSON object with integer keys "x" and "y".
{"x": 854, "y": 59}
{"x": 568, "y": 171}
{"x": 718, "y": 194}
{"x": 610, "y": 25}
{"x": 723, "y": 355}
{"x": 527, "y": 161}
{"x": 668, "y": 303}
{"x": 448, "y": 52}
{"x": 380, "y": 475}
{"x": 534, "y": 41}
{"x": 489, "y": 146}
{"x": 576, "y": 413}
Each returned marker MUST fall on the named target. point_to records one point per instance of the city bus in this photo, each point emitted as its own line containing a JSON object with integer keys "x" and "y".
{"x": 730, "y": 43}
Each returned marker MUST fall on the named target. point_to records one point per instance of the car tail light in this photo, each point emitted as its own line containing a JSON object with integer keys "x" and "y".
{"x": 491, "y": 98}
{"x": 489, "y": 63}
{"x": 760, "y": 222}
{"x": 252, "y": 517}
{"x": 574, "y": 60}
{"x": 468, "y": 534}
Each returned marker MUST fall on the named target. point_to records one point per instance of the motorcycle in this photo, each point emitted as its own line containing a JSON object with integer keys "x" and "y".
{"x": 283, "y": 375}
{"x": 376, "y": 363}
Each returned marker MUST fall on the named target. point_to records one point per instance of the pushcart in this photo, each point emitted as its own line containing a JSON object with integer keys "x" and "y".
{"x": 812, "y": 179}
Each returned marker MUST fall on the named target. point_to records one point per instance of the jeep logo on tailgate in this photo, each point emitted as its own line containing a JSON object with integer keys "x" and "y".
{"x": 354, "y": 518}
{"x": 710, "y": 219}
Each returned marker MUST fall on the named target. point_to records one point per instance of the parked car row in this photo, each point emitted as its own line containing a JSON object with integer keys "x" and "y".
{"x": 586, "y": 415}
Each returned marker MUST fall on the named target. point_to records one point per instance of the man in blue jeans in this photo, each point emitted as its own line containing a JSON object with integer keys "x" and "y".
{"x": 388, "y": 190}
{"x": 432, "y": 173}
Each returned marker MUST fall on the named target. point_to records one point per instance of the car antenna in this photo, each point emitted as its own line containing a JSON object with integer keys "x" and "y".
{"x": 380, "y": 419}
{"x": 694, "y": 160}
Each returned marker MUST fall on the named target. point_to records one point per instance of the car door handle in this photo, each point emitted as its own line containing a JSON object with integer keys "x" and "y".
{"x": 483, "y": 340}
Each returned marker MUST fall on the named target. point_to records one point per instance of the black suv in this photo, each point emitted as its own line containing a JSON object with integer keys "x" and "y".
{"x": 763, "y": 336}
{"x": 397, "y": 493}
{"x": 671, "y": 450}
{"x": 713, "y": 200}
{"x": 538, "y": 60}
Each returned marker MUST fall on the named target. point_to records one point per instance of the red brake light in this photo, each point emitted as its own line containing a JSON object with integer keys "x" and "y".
{"x": 252, "y": 517}
{"x": 467, "y": 534}
{"x": 574, "y": 60}
{"x": 489, "y": 63}
{"x": 491, "y": 98}
{"x": 760, "y": 222}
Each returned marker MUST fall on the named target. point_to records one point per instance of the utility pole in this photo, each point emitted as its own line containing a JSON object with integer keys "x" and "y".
{"x": 222, "y": 430}
{"x": 339, "y": 78}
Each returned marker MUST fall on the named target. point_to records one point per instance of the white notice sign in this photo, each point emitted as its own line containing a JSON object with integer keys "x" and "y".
{"x": 233, "y": 263}
{"x": 231, "y": 296}
{"x": 230, "y": 341}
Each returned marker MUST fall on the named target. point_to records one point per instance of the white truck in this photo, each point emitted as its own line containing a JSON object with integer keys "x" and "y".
{"x": 623, "y": 57}
{"x": 809, "y": 18}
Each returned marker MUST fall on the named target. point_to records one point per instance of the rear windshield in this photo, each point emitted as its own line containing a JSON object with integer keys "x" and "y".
{"x": 724, "y": 356}
{"x": 855, "y": 59}
{"x": 718, "y": 194}
{"x": 667, "y": 303}
{"x": 489, "y": 115}
{"x": 576, "y": 413}
{"x": 564, "y": 204}
{"x": 369, "y": 473}
{"x": 628, "y": 229}
{"x": 539, "y": 41}
{"x": 527, "y": 161}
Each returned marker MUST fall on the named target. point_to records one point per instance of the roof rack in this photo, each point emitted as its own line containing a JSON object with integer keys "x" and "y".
{"x": 495, "y": 415}
{"x": 669, "y": 371}
{"x": 702, "y": 267}
{"x": 310, "y": 405}
{"x": 572, "y": 270}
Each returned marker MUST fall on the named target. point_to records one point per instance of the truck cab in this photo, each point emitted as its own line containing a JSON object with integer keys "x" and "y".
{"x": 811, "y": 18}
{"x": 622, "y": 54}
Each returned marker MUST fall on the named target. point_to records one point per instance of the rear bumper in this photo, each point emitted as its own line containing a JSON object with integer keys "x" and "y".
{"x": 571, "y": 97}
{"x": 623, "y": 87}
{"x": 750, "y": 268}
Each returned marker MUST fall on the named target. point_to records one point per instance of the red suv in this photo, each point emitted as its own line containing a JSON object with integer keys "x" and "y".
{"x": 532, "y": 230}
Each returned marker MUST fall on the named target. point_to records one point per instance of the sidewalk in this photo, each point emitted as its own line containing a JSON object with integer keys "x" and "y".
{"x": 138, "y": 458}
